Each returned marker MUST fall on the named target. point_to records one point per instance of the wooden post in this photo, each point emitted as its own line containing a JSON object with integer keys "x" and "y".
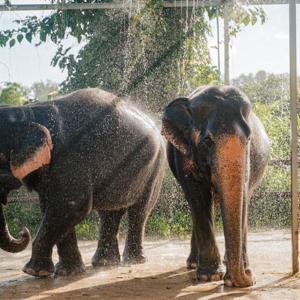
{"x": 293, "y": 99}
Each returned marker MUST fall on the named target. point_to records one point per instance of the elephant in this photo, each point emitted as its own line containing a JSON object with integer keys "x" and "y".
{"x": 217, "y": 150}
{"x": 86, "y": 150}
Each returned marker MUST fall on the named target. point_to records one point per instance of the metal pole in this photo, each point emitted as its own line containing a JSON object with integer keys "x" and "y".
{"x": 106, "y": 5}
{"x": 293, "y": 96}
{"x": 128, "y": 4}
{"x": 226, "y": 44}
{"x": 218, "y": 48}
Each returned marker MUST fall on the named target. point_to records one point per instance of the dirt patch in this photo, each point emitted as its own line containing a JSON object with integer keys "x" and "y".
{"x": 164, "y": 276}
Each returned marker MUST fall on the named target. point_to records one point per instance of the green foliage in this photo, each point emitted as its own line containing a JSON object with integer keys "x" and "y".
{"x": 270, "y": 212}
{"x": 270, "y": 97}
{"x": 13, "y": 94}
{"x": 276, "y": 121}
{"x": 88, "y": 229}
{"x": 241, "y": 16}
{"x": 171, "y": 216}
{"x": 149, "y": 52}
{"x": 21, "y": 214}
{"x": 269, "y": 94}
{"x": 152, "y": 54}
{"x": 43, "y": 91}
{"x": 265, "y": 88}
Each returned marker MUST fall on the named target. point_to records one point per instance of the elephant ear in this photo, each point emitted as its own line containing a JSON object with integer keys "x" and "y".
{"x": 31, "y": 151}
{"x": 178, "y": 126}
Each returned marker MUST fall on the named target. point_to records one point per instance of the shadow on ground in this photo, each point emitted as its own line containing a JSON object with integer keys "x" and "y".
{"x": 164, "y": 276}
{"x": 177, "y": 284}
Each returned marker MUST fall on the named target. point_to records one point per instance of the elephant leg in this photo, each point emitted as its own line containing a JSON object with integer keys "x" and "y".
{"x": 70, "y": 260}
{"x": 137, "y": 218}
{"x": 245, "y": 234}
{"x": 107, "y": 253}
{"x": 199, "y": 197}
{"x": 245, "y": 257}
{"x": 133, "y": 251}
{"x": 191, "y": 262}
{"x": 59, "y": 219}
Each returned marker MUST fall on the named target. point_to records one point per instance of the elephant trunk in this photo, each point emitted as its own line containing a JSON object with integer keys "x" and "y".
{"x": 231, "y": 171}
{"x": 7, "y": 242}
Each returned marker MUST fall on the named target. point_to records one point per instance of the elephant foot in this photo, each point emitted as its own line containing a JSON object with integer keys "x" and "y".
{"x": 210, "y": 273}
{"x": 100, "y": 260}
{"x": 191, "y": 263}
{"x": 68, "y": 269}
{"x": 39, "y": 267}
{"x": 133, "y": 255}
{"x": 134, "y": 260}
{"x": 241, "y": 280}
{"x": 249, "y": 272}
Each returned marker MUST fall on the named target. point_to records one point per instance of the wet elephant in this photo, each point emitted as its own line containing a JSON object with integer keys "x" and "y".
{"x": 87, "y": 150}
{"x": 218, "y": 151}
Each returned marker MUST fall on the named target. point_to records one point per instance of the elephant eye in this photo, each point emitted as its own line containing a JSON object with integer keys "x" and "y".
{"x": 2, "y": 158}
{"x": 249, "y": 138}
{"x": 207, "y": 139}
{"x": 245, "y": 111}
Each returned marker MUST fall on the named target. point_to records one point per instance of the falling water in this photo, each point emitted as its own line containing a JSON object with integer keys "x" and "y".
{"x": 163, "y": 54}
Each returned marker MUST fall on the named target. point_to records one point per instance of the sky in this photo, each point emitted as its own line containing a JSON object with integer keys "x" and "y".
{"x": 263, "y": 47}
{"x": 259, "y": 47}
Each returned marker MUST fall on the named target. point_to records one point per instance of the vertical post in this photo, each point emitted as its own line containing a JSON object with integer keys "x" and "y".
{"x": 294, "y": 164}
{"x": 226, "y": 44}
{"x": 218, "y": 48}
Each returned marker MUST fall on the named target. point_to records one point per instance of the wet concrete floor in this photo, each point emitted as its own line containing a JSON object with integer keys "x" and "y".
{"x": 164, "y": 276}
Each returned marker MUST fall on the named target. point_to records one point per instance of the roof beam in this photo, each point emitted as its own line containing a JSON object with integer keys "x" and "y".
{"x": 130, "y": 4}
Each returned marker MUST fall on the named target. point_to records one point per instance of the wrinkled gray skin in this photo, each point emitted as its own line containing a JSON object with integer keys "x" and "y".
{"x": 87, "y": 150}
{"x": 218, "y": 151}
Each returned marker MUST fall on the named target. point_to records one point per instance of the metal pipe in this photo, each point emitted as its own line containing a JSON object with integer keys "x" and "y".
{"x": 218, "y": 48}
{"x": 294, "y": 163}
{"x": 105, "y": 5}
{"x": 129, "y": 4}
{"x": 226, "y": 44}
{"x": 64, "y": 6}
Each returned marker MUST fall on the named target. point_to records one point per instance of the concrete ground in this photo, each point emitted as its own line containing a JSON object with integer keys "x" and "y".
{"x": 164, "y": 276}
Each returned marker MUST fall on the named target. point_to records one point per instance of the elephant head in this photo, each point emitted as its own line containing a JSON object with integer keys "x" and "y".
{"x": 24, "y": 148}
{"x": 211, "y": 130}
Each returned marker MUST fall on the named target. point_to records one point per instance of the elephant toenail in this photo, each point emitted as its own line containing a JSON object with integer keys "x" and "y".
{"x": 215, "y": 277}
{"x": 203, "y": 277}
{"x": 228, "y": 282}
{"x": 43, "y": 273}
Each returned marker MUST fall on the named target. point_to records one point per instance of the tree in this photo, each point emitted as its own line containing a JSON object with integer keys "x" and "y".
{"x": 265, "y": 87}
{"x": 270, "y": 97}
{"x": 43, "y": 90}
{"x": 13, "y": 94}
{"x": 148, "y": 52}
